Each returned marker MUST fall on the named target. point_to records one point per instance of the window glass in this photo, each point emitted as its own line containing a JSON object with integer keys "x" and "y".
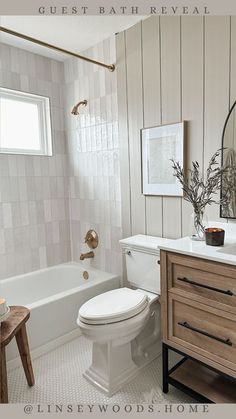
{"x": 25, "y": 125}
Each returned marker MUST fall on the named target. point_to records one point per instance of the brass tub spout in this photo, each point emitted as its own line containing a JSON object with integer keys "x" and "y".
{"x": 87, "y": 255}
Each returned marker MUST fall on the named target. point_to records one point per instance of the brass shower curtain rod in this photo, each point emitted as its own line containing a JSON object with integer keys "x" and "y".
{"x": 110, "y": 67}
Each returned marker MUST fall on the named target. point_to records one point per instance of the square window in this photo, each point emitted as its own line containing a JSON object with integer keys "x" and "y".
{"x": 25, "y": 123}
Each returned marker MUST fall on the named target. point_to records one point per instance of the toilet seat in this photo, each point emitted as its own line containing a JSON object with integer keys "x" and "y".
{"x": 113, "y": 306}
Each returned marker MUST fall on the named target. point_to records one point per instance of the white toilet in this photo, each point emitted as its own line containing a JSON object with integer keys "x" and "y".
{"x": 124, "y": 324}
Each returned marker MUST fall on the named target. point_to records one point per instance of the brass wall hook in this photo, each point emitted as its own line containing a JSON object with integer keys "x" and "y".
{"x": 75, "y": 110}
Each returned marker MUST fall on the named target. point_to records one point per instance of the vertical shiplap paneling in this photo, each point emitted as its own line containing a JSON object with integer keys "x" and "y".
{"x": 152, "y": 107}
{"x": 192, "y": 30}
{"x": 195, "y": 60}
{"x": 217, "y": 43}
{"x": 233, "y": 61}
{"x": 123, "y": 133}
{"x": 135, "y": 122}
{"x": 171, "y": 108}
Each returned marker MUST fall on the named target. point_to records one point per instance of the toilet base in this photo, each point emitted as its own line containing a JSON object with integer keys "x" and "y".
{"x": 105, "y": 374}
{"x": 117, "y": 361}
{"x": 147, "y": 345}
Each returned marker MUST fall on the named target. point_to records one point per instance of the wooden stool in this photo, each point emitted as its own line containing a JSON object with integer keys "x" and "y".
{"x": 15, "y": 326}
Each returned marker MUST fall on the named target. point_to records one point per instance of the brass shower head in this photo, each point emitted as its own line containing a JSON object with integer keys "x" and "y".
{"x": 75, "y": 109}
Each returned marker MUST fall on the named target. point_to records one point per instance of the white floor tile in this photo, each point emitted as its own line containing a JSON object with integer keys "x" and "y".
{"x": 58, "y": 376}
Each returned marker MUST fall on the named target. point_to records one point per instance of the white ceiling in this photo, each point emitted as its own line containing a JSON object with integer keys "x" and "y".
{"x": 74, "y": 33}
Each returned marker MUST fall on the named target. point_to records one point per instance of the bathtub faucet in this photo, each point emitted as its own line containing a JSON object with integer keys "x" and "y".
{"x": 87, "y": 255}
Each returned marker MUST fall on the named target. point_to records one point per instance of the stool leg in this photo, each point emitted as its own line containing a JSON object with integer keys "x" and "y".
{"x": 4, "y": 390}
{"x": 23, "y": 346}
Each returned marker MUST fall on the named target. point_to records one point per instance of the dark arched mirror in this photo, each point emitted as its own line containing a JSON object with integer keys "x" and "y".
{"x": 229, "y": 160}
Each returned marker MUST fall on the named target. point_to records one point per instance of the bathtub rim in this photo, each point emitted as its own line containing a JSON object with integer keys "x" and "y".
{"x": 63, "y": 294}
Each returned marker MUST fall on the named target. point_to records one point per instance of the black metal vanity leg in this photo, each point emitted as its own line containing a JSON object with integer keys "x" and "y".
{"x": 165, "y": 369}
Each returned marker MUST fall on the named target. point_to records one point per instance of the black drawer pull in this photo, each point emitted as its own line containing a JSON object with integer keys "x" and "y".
{"x": 189, "y": 281}
{"x": 225, "y": 341}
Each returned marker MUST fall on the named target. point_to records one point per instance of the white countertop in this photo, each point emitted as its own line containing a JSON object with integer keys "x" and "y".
{"x": 187, "y": 246}
{"x": 199, "y": 249}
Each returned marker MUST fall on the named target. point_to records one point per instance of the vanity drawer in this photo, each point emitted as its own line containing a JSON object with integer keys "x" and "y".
{"x": 203, "y": 330}
{"x": 204, "y": 280}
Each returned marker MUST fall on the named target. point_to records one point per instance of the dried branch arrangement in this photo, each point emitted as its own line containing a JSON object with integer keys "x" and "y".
{"x": 201, "y": 192}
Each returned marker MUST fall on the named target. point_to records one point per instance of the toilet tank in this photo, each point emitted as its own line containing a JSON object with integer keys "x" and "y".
{"x": 142, "y": 257}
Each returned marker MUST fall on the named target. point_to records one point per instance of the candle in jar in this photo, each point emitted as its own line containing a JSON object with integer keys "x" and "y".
{"x": 214, "y": 236}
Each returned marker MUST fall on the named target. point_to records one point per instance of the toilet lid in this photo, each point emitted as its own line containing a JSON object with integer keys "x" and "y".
{"x": 113, "y": 306}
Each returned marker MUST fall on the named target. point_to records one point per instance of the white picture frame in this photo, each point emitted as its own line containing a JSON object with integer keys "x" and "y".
{"x": 158, "y": 145}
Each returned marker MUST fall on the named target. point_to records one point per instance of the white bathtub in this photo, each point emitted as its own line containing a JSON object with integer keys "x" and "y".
{"x": 54, "y": 296}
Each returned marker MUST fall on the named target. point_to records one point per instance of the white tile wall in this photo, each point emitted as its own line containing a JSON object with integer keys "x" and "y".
{"x": 48, "y": 203}
{"x": 34, "y": 207}
{"x": 93, "y": 148}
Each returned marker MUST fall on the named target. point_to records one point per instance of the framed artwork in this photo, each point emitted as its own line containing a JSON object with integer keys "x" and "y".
{"x": 158, "y": 146}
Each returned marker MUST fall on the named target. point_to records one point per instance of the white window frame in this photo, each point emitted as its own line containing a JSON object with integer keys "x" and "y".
{"x": 45, "y": 134}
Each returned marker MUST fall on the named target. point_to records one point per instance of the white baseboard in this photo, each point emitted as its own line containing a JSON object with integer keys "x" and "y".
{"x": 50, "y": 346}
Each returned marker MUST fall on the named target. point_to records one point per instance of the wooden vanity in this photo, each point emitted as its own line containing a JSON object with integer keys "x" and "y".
{"x": 198, "y": 303}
